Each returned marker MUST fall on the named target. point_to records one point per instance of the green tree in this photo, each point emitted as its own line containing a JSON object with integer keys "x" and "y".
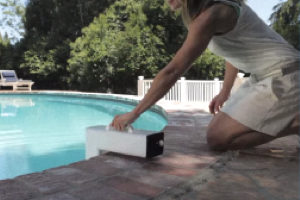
{"x": 62, "y": 49}
{"x": 4, "y": 40}
{"x": 116, "y": 48}
{"x": 286, "y": 21}
{"x": 50, "y": 27}
{"x": 44, "y": 65}
{"x": 13, "y": 15}
{"x": 5, "y": 52}
{"x": 168, "y": 26}
{"x": 207, "y": 67}
{"x": 132, "y": 38}
{"x": 165, "y": 24}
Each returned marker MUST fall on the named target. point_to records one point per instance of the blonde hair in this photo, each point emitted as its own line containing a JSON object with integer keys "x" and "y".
{"x": 192, "y": 8}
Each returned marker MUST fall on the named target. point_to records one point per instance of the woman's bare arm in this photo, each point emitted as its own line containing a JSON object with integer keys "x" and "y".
{"x": 201, "y": 30}
{"x": 229, "y": 78}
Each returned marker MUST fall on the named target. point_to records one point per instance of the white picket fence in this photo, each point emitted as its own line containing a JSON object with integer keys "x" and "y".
{"x": 185, "y": 90}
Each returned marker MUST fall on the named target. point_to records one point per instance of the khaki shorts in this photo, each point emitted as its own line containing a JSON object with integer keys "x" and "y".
{"x": 268, "y": 105}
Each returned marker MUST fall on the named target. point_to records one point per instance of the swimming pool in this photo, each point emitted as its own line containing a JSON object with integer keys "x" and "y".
{"x": 42, "y": 131}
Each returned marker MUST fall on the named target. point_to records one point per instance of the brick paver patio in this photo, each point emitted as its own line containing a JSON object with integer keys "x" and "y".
{"x": 188, "y": 170}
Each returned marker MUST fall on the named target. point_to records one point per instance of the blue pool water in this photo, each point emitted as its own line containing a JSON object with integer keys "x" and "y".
{"x": 38, "y": 132}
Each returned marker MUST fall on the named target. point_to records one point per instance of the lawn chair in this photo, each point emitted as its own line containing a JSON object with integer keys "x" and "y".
{"x": 9, "y": 79}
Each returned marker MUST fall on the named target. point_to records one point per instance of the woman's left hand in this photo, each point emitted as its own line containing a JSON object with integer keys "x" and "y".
{"x": 217, "y": 102}
{"x": 120, "y": 122}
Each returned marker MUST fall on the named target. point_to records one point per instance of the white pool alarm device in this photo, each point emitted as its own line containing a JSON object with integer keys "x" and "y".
{"x": 138, "y": 143}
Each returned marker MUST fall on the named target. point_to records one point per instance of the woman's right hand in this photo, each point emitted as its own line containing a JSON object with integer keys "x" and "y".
{"x": 217, "y": 102}
{"x": 120, "y": 122}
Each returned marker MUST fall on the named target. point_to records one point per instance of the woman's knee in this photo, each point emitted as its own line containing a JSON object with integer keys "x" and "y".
{"x": 215, "y": 139}
{"x": 222, "y": 130}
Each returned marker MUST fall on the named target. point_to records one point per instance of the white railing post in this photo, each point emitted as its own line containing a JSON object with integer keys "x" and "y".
{"x": 186, "y": 90}
{"x": 141, "y": 91}
{"x": 183, "y": 90}
{"x": 216, "y": 88}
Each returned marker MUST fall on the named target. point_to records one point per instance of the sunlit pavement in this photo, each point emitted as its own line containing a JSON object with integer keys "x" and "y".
{"x": 188, "y": 170}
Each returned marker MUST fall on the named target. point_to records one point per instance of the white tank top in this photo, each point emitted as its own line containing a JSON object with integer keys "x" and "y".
{"x": 252, "y": 46}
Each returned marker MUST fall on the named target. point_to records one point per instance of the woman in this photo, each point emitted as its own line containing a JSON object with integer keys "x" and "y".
{"x": 265, "y": 107}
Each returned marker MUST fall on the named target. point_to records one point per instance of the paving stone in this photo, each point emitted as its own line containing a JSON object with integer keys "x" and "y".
{"x": 202, "y": 120}
{"x": 282, "y": 148}
{"x": 100, "y": 191}
{"x": 187, "y": 161}
{"x": 193, "y": 145}
{"x": 153, "y": 178}
{"x": 180, "y": 138}
{"x": 245, "y": 163}
{"x": 179, "y": 130}
{"x": 223, "y": 195}
{"x": 254, "y": 178}
{"x": 15, "y": 190}
{"x": 44, "y": 183}
{"x": 123, "y": 162}
{"x": 58, "y": 196}
{"x": 272, "y": 175}
{"x": 97, "y": 166}
{"x": 229, "y": 181}
{"x": 175, "y": 114}
{"x": 134, "y": 187}
{"x": 179, "y": 122}
{"x": 198, "y": 149}
{"x": 170, "y": 170}
{"x": 72, "y": 175}
{"x": 273, "y": 186}
{"x": 228, "y": 186}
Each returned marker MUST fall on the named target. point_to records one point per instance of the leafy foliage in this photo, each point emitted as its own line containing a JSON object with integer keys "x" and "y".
{"x": 207, "y": 67}
{"x": 101, "y": 46}
{"x": 50, "y": 27}
{"x": 286, "y": 21}
{"x": 131, "y": 38}
{"x": 4, "y": 40}
{"x": 13, "y": 16}
{"x": 116, "y": 48}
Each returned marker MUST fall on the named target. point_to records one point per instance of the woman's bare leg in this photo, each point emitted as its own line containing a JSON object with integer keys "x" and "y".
{"x": 225, "y": 133}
